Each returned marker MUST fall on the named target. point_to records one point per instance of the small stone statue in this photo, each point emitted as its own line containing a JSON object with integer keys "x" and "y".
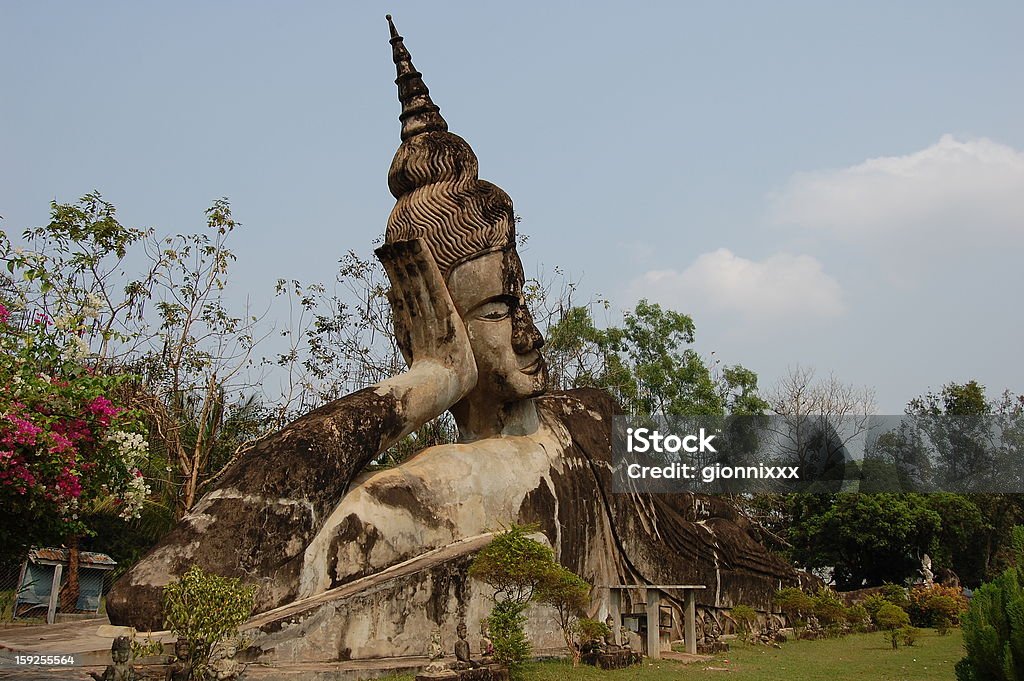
{"x": 713, "y": 631}
{"x": 223, "y": 666}
{"x": 486, "y": 644}
{"x": 609, "y": 638}
{"x": 436, "y": 653}
{"x": 926, "y": 570}
{"x": 462, "y": 656}
{"x": 120, "y": 670}
{"x": 180, "y": 668}
{"x": 436, "y": 650}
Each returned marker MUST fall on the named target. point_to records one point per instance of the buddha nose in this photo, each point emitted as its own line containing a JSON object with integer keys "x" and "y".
{"x": 525, "y": 334}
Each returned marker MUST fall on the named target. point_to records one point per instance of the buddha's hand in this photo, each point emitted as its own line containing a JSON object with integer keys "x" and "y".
{"x": 428, "y": 328}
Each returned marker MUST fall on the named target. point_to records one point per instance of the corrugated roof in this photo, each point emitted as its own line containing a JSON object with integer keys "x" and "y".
{"x": 63, "y": 555}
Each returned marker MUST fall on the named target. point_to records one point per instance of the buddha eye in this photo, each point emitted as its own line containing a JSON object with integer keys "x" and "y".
{"x": 494, "y": 311}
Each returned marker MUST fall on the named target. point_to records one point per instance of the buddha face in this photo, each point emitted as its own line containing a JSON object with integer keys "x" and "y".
{"x": 120, "y": 654}
{"x": 488, "y": 293}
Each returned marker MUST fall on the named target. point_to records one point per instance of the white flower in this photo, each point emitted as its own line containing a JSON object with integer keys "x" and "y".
{"x": 134, "y": 497}
{"x": 91, "y": 306}
{"x": 132, "y": 447}
{"x": 76, "y": 349}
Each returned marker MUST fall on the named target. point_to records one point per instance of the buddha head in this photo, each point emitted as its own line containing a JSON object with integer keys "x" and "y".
{"x": 121, "y": 650}
{"x": 468, "y": 225}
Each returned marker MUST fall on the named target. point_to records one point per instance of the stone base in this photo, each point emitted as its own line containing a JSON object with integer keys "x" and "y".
{"x": 492, "y": 672}
{"x": 612, "y": 659}
{"x": 712, "y": 648}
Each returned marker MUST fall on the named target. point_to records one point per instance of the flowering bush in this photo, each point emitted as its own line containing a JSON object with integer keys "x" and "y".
{"x": 936, "y": 605}
{"x": 64, "y": 443}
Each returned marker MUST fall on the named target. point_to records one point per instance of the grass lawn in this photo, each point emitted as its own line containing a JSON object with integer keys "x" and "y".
{"x": 861, "y": 657}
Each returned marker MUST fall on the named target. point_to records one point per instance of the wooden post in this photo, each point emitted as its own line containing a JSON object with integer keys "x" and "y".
{"x": 690, "y": 622}
{"x": 653, "y": 623}
{"x": 615, "y": 610}
{"x": 51, "y": 612}
{"x": 17, "y": 593}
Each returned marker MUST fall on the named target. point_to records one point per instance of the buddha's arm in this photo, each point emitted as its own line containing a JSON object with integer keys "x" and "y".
{"x": 430, "y": 333}
{"x": 314, "y": 458}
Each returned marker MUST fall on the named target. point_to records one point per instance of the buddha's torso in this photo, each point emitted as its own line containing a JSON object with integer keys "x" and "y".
{"x": 443, "y": 494}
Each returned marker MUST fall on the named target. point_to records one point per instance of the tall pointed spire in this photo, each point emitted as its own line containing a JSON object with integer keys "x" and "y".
{"x": 419, "y": 113}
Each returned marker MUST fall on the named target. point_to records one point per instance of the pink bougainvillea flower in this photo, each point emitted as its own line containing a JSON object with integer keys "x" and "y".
{"x": 24, "y": 433}
{"x": 60, "y": 444}
{"x": 68, "y": 484}
{"x": 103, "y": 409}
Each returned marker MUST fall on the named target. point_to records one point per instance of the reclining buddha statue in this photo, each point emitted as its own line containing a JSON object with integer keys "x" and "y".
{"x": 298, "y": 515}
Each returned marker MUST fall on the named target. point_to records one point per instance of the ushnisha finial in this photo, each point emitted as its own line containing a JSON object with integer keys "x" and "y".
{"x": 419, "y": 113}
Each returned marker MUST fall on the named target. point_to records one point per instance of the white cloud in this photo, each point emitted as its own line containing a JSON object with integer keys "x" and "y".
{"x": 780, "y": 286}
{"x": 950, "y": 191}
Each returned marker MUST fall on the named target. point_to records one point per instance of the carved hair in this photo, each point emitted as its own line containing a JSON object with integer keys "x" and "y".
{"x": 441, "y": 200}
{"x": 434, "y": 177}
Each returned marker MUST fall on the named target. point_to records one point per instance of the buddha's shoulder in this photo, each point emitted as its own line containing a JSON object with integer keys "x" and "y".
{"x": 580, "y": 404}
{"x": 586, "y": 415}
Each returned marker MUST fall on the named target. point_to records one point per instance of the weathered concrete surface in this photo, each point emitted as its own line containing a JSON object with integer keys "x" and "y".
{"x": 387, "y": 614}
{"x": 390, "y": 564}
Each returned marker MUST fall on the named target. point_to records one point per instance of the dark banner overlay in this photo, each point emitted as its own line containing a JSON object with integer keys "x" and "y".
{"x": 818, "y": 454}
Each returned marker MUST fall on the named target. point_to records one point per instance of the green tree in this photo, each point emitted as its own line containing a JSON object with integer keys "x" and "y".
{"x": 520, "y": 569}
{"x": 515, "y": 566}
{"x": 892, "y": 619}
{"x": 569, "y": 595}
{"x": 977, "y": 442}
{"x": 206, "y": 609}
{"x": 829, "y": 609}
{"x": 867, "y": 538}
{"x": 993, "y": 630}
{"x": 647, "y": 364}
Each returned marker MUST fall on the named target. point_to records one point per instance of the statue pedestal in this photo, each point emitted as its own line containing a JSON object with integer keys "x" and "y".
{"x": 619, "y": 658}
{"x": 491, "y": 672}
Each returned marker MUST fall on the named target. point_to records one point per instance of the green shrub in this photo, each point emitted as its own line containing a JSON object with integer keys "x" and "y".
{"x": 795, "y": 605}
{"x": 889, "y": 594}
{"x": 591, "y": 630}
{"x": 895, "y": 594}
{"x": 892, "y": 619}
{"x": 7, "y": 605}
{"x": 520, "y": 569}
{"x": 829, "y": 609}
{"x": 513, "y": 564}
{"x": 909, "y": 635}
{"x": 993, "y": 630}
{"x": 858, "y": 618}
{"x": 569, "y": 595}
{"x": 206, "y": 609}
{"x": 872, "y": 604}
{"x": 943, "y": 626}
{"x": 745, "y": 617}
{"x": 505, "y": 624}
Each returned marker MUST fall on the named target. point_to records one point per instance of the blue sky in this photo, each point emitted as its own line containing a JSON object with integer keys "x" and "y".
{"x": 839, "y": 186}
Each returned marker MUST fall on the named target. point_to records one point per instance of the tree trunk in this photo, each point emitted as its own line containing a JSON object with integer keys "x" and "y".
{"x": 69, "y": 593}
